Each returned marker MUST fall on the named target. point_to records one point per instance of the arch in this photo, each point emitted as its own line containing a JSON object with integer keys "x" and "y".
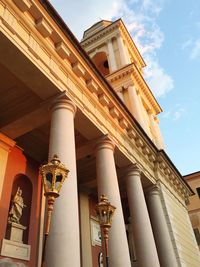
{"x": 22, "y": 181}
{"x": 101, "y": 61}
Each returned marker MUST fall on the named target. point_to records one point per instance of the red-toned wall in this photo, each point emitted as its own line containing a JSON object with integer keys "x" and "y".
{"x": 95, "y": 249}
{"x": 19, "y": 164}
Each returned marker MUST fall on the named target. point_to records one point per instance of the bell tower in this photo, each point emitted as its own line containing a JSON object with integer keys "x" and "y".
{"x": 116, "y": 56}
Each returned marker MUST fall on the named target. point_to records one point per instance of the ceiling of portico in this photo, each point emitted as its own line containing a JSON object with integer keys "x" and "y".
{"x": 16, "y": 99}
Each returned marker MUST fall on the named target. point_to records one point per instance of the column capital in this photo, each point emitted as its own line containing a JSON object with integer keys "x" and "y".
{"x": 133, "y": 170}
{"x": 103, "y": 143}
{"x": 64, "y": 104}
{"x": 108, "y": 40}
{"x": 153, "y": 190}
{"x": 118, "y": 34}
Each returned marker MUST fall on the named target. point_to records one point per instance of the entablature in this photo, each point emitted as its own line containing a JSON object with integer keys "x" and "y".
{"x": 170, "y": 174}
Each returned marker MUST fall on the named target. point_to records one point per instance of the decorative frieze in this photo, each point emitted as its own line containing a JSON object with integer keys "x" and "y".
{"x": 162, "y": 165}
{"x": 62, "y": 50}
{"x": 167, "y": 171}
{"x": 92, "y": 86}
{"x": 23, "y": 5}
{"x": 152, "y": 157}
{"x": 43, "y": 27}
{"x": 139, "y": 142}
{"x": 123, "y": 123}
{"x": 172, "y": 177}
{"x": 33, "y": 46}
{"x": 78, "y": 69}
{"x": 103, "y": 99}
{"x": 146, "y": 150}
{"x": 9, "y": 20}
{"x": 54, "y": 68}
{"x": 114, "y": 112}
{"x": 131, "y": 133}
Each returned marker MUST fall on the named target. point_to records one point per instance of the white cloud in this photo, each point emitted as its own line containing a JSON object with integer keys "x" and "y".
{"x": 160, "y": 82}
{"x": 186, "y": 44}
{"x": 155, "y": 6}
{"x": 140, "y": 18}
{"x": 174, "y": 114}
{"x": 193, "y": 48}
{"x": 195, "y": 53}
{"x": 141, "y": 22}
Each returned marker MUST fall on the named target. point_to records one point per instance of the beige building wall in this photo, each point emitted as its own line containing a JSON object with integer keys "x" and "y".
{"x": 181, "y": 230}
{"x": 193, "y": 180}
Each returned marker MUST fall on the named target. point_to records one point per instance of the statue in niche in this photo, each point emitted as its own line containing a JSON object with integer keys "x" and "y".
{"x": 17, "y": 207}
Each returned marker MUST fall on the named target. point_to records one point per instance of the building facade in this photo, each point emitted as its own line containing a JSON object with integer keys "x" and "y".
{"x": 89, "y": 104}
{"x": 193, "y": 179}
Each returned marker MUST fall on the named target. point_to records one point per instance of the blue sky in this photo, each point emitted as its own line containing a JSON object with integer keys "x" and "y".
{"x": 167, "y": 33}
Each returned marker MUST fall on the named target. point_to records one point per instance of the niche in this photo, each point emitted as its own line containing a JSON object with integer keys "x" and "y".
{"x": 22, "y": 181}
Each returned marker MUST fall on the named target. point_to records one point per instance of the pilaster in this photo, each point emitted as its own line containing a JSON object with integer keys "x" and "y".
{"x": 5, "y": 146}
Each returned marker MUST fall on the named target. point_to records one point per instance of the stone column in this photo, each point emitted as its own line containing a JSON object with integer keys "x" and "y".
{"x": 159, "y": 135}
{"x": 143, "y": 236}
{"x": 120, "y": 93}
{"x": 63, "y": 245}
{"x": 135, "y": 106}
{"x": 162, "y": 237}
{"x": 146, "y": 121}
{"x": 108, "y": 184}
{"x": 123, "y": 55}
{"x": 155, "y": 127}
{"x": 111, "y": 56}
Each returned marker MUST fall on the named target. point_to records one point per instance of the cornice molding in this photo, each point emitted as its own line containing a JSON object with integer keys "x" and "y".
{"x": 171, "y": 176}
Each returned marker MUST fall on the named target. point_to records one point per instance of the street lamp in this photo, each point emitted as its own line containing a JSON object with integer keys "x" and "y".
{"x": 53, "y": 175}
{"x": 105, "y": 211}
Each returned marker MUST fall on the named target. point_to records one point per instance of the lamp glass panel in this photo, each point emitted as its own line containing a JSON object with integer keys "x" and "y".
{"x": 49, "y": 179}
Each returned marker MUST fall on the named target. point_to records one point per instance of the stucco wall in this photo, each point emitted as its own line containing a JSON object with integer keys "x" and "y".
{"x": 181, "y": 230}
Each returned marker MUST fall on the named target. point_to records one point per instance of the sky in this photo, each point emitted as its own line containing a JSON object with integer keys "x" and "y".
{"x": 167, "y": 33}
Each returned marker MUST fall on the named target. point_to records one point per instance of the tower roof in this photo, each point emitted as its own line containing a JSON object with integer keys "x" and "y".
{"x": 96, "y": 28}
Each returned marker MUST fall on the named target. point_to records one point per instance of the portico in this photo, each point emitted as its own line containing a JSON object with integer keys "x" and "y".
{"x": 54, "y": 101}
